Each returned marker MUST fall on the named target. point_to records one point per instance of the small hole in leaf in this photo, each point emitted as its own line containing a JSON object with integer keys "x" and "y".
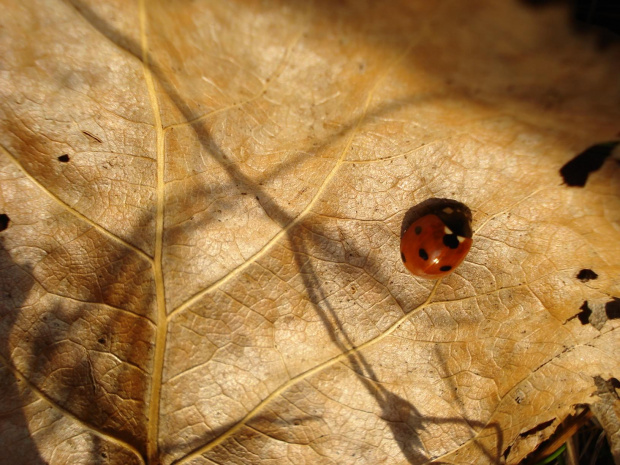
{"x": 577, "y": 170}
{"x": 584, "y": 315}
{"x": 63, "y": 158}
{"x": 586, "y": 275}
{"x": 4, "y": 221}
{"x": 612, "y": 309}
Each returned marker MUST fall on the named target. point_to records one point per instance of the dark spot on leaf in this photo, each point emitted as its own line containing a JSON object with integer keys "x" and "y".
{"x": 101, "y": 340}
{"x": 450, "y": 240}
{"x": 586, "y": 275}
{"x": 423, "y": 254}
{"x": 4, "y": 221}
{"x": 63, "y": 158}
{"x": 612, "y": 309}
{"x": 537, "y": 429}
{"x": 577, "y": 170}
{"x": 402, "y": 255}
{"x": 244, "y": 193}
{"x": 90, "y": 135}
{"x": 104, "y": 455}
{"x": 418, "y": 230}
{"x": 584, "y": 315}
{"x": 445, "y": 268}
{"x": 507, "y": 451}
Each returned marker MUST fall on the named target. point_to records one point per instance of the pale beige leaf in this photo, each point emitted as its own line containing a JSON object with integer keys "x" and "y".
{"x": 204, "y": 203}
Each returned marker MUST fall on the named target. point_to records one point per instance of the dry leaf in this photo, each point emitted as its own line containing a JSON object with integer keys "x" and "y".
{"x": 607, "y": 411}
{"x": 202, "y": 204}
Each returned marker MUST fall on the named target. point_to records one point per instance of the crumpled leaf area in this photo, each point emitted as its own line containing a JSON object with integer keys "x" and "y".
{"x": 203, "y": 205}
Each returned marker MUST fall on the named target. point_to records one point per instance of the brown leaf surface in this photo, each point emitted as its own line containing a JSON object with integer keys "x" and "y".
{"x": 204, "y": 205}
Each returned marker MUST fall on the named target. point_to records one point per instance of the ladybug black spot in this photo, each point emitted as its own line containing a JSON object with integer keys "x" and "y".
{"x": 423, "y": 254}
{"x": 450, "y": 240}
{"x": 445, "y": 268}
{"x": 418, "y": 230}
{"x": 402, "y": 255}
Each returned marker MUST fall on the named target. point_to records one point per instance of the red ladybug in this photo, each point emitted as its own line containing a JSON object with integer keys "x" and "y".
{"x": 435, "y": 244}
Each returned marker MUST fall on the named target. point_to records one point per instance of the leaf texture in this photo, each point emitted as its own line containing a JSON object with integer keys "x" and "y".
{"x": 203, "y": 205}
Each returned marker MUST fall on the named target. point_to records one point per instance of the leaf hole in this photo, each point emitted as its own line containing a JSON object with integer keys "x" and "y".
{"x": 4, "y": 221}
{"x": 576, "y": 171}
{"x": 584, "y": 315}
{"x": 586, "y": 275}
{"x": 612, "y": 309}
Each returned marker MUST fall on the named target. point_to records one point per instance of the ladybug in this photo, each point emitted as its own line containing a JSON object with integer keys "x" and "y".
{"x": 436, "y": 243}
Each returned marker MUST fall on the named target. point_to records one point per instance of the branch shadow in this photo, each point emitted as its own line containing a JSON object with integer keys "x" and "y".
{"x": 73, "y": 343}
{"x": 403, "y": 418}
{"x": 81, "y": 355}
{"x": 492, "y": 455}
{"x": 15, "y": 437}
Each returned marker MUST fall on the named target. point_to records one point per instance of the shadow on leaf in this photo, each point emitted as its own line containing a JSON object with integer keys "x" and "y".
{"x": 15, "y": 436}
{"x": 402, "y": 416}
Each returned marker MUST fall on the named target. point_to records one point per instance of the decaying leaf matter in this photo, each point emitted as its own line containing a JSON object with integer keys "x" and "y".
{"x": 201, "y": 212}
